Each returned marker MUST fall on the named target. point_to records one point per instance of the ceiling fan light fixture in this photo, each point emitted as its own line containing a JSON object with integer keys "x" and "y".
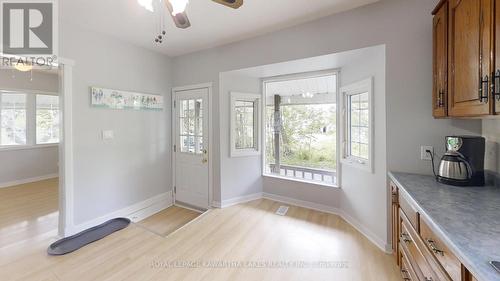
{"x": 23, "y": 67}
{"x": 235, "y": 4}
{"x": 178, "y": 6}
{"x": 147, "y": 4}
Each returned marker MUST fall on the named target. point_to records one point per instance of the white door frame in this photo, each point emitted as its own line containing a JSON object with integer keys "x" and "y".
{"x": 66, "y": 187}
{"x": 208, "y": 86}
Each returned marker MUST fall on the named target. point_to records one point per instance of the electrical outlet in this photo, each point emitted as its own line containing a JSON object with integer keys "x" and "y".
{"x": 423, "y": 153}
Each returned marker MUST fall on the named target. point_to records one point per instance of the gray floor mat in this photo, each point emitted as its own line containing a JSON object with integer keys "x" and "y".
{"x": 75, "y": 242}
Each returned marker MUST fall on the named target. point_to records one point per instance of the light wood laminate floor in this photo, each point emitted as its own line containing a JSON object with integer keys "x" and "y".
{"x": 27, "y": 211}
{"x": 243, "y": 242}
{"x": 168, "y": 220}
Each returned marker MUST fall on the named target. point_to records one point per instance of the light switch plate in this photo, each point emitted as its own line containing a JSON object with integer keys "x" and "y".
{"x": 108, "y": 135}
{"x": 423, "y": 153}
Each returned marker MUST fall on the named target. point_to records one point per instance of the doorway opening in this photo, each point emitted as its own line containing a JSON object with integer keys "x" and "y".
{"x": 36, "y": 144}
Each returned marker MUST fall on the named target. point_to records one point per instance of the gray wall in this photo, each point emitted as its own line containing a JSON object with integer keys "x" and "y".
{"x": 405, "y": 27}
{"x": 491, "y": 131}
{"x": 135, "y": 165}
{"x": 35, "y": 162}
{"x": 240, "y": 176}
{"x": 38, "y": 81}
{"x": 25, "y": 164}
{"x": 363, "y": 195}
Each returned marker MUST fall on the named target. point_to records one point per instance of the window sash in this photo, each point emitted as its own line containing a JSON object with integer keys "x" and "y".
{"x": 15, "y": 108}
{"x": 364, "y": 126}
{"x": 30, "y": 122}
{"x": 244, "y": 124}
{"x": 309, "y": 175}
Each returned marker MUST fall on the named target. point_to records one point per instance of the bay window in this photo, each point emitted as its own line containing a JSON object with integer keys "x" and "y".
{"x": 301, "y": 127}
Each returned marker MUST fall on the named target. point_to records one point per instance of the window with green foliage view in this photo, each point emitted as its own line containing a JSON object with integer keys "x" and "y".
{"x": 301, "y": 129}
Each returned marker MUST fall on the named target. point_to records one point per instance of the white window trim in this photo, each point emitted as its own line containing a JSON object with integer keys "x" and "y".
{"x": 31, "y": 142}
{"x": 353, "y": 89}
{"x": 255, "y": 98}
{"x": 312, "y": 74}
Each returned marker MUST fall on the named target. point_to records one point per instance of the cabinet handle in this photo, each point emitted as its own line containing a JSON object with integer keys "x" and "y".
{"x": 405, "y": 238}
{"x": 405, "y": 274}
{"x": 427, "y": 278}
{"x": 441, "y": 99}
{"x": 482, "y": 97}
{"x": 496, "y": 78}
{"x": 432, "y": 245}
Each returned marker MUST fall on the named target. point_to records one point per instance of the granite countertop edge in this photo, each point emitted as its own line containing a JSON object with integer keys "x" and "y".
{"x": 439, "y": 230}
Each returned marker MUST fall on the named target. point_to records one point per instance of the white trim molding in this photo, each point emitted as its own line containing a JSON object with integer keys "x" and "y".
{"x": 135, "y": 212}
{"x": 237, "y": 200}
{"x": 209, "y": 86}
{"x": 28, "y": 180}
{"x": 255, "y": 100}
{"x": 360, "y": 87}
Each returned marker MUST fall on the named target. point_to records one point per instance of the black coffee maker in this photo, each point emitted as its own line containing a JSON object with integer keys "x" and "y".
{"x": 463, "y": 163}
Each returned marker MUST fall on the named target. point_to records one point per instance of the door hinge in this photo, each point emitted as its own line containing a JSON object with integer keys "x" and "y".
{"x": 175, "y": 189}
{"x": 175, "y": 148}
{"x": 175, "y": 103}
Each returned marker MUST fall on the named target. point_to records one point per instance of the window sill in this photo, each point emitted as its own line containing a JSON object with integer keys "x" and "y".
{"x": 27, "y": 147}
{"x": 302, "y": 181}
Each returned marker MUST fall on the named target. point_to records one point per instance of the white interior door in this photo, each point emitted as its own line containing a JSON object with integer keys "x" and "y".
{"x": 191, "y": 147}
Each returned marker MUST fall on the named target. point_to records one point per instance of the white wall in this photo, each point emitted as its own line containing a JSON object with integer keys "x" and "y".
{"x": 363, "y": 196}
{"x": 135, "y": 165}
{"x": 408, "y": 79}
{"x": 240, "y": 176}
{"x": 28, "y": 164}
{"x": 491, "y": 131}
{"x": 18, "y": 166}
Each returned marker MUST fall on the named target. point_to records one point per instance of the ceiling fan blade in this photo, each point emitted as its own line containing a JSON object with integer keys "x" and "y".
{"x": 181, "y": 20}
{"x": 235, "y": 4}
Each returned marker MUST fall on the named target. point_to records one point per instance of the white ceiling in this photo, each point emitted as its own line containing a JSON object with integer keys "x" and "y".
{"x": 212, "y": 24}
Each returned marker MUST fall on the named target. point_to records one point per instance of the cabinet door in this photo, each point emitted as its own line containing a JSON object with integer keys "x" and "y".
{"x": 469, "y": 57}
{"x": 496, "y": 93}
{"x": 395, "y": 222}
{"x": 440, "y": 68}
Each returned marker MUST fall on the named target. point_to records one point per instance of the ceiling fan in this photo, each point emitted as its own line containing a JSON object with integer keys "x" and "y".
{"x": 177, "y": 9}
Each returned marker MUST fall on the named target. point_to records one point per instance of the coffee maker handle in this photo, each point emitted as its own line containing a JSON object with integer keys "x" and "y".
{"x": 468, "y": 166}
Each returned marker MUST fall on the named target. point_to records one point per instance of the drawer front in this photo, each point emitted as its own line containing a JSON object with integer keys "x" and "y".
{"x": 409, "y": 210}
{"x": 410, "y": 243}
{"x": 446, "y": 258}
{"x": 407, "y": 271}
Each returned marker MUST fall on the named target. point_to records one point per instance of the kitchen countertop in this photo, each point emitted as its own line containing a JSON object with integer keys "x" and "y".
{"x": 468, "y": 218}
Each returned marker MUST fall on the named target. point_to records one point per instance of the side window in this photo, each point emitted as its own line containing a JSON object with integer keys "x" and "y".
{"x": 13, "y": 119}
{"x": 357, "y": 123}
{"x": 47, "y": 119}
{"x": 245, "y": 113}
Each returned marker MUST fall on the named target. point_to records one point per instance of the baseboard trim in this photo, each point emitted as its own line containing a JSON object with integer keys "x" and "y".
{"x": 28, "y": 180}
{"x": 135, "y": 212}
{"x": 237, "y": 200}
{"x": 386, "y": 248}
{"x": 302, "y": 203}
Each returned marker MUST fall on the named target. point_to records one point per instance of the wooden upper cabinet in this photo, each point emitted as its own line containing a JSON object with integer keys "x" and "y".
{"x": 496, "y": 93}
{"x": 440, "y": 54}
{"x": 469, "y": 57}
